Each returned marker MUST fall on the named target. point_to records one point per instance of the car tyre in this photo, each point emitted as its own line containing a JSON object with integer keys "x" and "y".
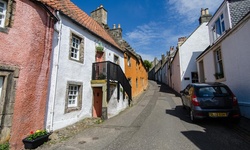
{"x": 191, "y": 114}
{"x": 183, "y": 106}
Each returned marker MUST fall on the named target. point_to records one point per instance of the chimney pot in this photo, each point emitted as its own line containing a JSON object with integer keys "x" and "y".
{"x": 119, "y": 26}
{"x": 202, "y": 12}
{"x": 206, "y": 11}
{"x": 114, "y": 26}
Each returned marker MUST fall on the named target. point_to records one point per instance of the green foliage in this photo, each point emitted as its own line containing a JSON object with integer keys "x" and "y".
{"x": 37, "y": 134}
{"x": 4, "y": 146}
{"x": 147, "y": 64}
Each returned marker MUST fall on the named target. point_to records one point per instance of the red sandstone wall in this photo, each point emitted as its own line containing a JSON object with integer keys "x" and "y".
{"x": 28, "y": 46}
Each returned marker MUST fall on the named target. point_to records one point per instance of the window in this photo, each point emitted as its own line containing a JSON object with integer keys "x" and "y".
{"x": 76, "y": 48}
{"x": 2, "y": 13}
{"x": 136, "y": 81}
{"x": 116, "y": 59}
{"x": 129, "y": 61}
{"x": 7, "y": 8}
{"x": 218, "y": 65}
{"x": 1, "y": 86}
{"x": 74, "y": 96}
{"x": 218, "y": 27}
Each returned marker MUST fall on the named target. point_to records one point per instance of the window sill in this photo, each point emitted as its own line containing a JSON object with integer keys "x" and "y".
{"x": 4, "y": 30}
{"x": 220, "y": 80}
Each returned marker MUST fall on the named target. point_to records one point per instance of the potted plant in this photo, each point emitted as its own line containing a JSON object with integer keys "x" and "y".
{"x": 36, "y": 139}
{"x": 99, "y": 48}
{"x": 219, "y": 75}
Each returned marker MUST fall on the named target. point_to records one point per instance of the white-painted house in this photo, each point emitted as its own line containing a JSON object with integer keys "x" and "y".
{"x": 227, "y": 58}
{"x": 185, "y": 69}
{"x": 74, "y": 94}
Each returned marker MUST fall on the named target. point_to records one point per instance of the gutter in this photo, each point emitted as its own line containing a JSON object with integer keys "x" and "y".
{"x": 54, "y": 73}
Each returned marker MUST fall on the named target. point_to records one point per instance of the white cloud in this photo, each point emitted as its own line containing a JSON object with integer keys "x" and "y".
{"x": 190, "y": 10}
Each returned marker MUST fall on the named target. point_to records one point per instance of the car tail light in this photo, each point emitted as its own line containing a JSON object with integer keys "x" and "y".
{"x": 195, "y": 102}
{"x": 235, "y": 101}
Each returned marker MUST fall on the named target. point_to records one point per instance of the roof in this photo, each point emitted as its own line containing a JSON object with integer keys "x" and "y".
{"x": 75, "y": 13}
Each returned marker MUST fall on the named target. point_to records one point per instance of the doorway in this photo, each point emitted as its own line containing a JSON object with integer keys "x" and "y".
{"x": 97, "y": 103}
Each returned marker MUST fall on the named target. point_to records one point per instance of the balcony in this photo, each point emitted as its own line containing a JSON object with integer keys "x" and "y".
{"x": 111, "y": 72}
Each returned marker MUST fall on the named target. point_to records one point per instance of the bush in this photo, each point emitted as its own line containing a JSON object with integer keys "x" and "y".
{"x": 4, "y": 146}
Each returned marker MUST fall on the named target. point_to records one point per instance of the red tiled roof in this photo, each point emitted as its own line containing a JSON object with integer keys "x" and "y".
{"x": 71, "y": 10}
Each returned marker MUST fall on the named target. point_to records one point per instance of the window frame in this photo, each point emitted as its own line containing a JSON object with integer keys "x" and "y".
{"x": 129, "y": 61}
{"x": 2, "y": 24}
{"x": 116, "y": 61}
{"x": 218, "y": 63}
{"x": 78, "y": 104}
{"x": 218, "y": 27}
{"x": 80, "y": 50}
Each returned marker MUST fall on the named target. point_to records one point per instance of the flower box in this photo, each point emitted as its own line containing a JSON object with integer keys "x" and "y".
{"x": 36, "y": 139}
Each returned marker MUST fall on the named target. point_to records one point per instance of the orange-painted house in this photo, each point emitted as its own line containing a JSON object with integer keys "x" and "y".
{"x": 135, "y": 71}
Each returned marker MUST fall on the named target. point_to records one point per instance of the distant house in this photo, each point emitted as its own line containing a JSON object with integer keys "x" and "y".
{"x": 87, "y": 69}
{"x": 26, "y": 33}
{"x": 226, "y": 59}
{"x": 185, "y": 70}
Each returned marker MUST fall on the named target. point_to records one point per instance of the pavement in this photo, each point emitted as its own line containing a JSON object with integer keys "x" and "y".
{"x": 126, "y": 120}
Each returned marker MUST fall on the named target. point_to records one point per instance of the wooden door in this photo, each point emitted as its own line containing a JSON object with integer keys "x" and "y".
{"x": 97, "y": 106}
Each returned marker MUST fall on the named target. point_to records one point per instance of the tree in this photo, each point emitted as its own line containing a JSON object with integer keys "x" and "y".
{"x": 147, "y": 64}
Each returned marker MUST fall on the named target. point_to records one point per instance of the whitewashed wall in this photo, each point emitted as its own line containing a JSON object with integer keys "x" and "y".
{"x": 69, "y": 70}
{"x": 197, "y": 42}
{"x": 235, "y": 54}
{"x": 164, "y": 74}
{"x": 175, "y": 69}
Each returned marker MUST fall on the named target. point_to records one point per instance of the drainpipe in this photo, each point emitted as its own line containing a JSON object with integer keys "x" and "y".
{"x": 55, "y": 71}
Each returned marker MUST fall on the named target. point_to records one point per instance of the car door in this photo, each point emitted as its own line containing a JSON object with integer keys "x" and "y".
{"x": 185, "y": 95}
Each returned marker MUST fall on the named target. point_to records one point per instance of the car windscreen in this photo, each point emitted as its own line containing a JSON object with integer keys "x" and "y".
{"x": 212, "y": 91}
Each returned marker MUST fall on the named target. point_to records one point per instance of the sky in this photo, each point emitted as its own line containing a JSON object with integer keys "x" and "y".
{"x": 151, "y": 27}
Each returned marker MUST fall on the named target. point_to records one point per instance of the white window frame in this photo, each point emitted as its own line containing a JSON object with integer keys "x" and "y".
{"x": 73, "y": 95}
{"x": 116, "y": 60}
{"x": 218, "y": 27}
{"x": 218, "y": 62}
{"x": 129, "y": 61}
{"x": 1, "y": 85}
{"x": 75, "y": 48}
{"x": 3, "y": 14}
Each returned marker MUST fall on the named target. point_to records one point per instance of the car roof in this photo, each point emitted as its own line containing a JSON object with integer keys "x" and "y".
{"x": 208, "y": 84}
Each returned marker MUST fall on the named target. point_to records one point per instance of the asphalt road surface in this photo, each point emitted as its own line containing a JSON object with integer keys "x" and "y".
{"x": 157, "y": 122}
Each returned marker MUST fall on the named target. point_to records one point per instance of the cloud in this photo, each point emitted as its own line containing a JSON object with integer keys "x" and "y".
{"x": 148, "y": 38}
{"x": 190, "y": 10}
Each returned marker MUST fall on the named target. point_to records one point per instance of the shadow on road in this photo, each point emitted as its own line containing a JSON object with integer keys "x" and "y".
{"x": 210, "y": 133}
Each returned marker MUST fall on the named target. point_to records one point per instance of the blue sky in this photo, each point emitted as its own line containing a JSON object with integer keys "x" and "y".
{"x": 152, "y": 26}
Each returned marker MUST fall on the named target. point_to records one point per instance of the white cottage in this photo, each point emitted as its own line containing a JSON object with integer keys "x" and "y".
{"x": 84, "y": 75}
{"x": 226, "y": 59}
{"x": 184, "y": 70}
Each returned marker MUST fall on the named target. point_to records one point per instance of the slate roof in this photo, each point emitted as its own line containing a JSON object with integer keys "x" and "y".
{"x": 75, "y": 13}
{"x": 238, "y": 9}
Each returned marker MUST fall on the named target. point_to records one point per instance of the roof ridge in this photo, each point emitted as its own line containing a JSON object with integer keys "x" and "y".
{"x": 71, "y": 10}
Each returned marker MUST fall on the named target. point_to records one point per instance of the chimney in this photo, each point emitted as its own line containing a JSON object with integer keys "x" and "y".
{"x": 205, "y": 16}
{"x": 180, "y": 41}
{"x": 116, "y": 32}
{"x": 162, "y": 57}
{"x": 100, "y": 15}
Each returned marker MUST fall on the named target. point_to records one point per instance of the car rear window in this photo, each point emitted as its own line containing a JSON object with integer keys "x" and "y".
{"x": 209, "y": 91}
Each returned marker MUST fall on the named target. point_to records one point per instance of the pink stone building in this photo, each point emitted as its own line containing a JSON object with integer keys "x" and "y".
{"x": 26, "y": 32}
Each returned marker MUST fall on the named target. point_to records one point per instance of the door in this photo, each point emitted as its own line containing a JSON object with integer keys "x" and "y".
{"x": 97, "y": 106}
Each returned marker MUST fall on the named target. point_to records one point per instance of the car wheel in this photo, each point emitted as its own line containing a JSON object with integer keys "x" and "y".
{"x": 183, "y": 106}
{"x": 192, "y": 118}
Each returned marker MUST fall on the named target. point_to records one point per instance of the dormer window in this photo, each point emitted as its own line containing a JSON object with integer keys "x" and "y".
{"x": 218, "y": 27}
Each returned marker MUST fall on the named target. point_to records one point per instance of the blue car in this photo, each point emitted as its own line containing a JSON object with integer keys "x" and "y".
{"x": 210, "y": 100}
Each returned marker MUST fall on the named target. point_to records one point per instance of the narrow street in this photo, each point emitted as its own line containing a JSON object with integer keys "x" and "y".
{"x": 157, "y": 122}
